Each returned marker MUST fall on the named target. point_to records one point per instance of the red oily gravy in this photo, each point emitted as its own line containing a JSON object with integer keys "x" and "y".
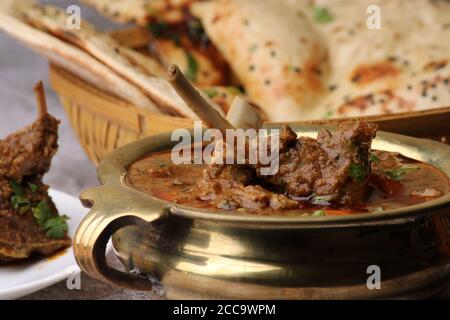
{"x": 157, "y": 176}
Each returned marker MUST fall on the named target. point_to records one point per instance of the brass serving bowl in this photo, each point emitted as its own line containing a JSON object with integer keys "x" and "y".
{"x": 195, "y": 253}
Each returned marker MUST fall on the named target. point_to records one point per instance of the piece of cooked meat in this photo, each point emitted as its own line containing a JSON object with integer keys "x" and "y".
{"x": 335, "y": 167}
{"x": 233, "y": 186}
{"x": 20, "y": 235}
{"x": 27, "y": 213}
{"x": 29, "y": 151}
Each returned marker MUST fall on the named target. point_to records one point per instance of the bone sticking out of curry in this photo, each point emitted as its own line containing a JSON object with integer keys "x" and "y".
{"x": 335, "y": 174}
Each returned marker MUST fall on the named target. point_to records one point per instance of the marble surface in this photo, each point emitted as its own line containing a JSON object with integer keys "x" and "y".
{"x": 71, "y": 171}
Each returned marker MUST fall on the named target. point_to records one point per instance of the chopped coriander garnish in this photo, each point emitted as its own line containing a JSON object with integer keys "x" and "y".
{"x": 19, "y": 201}
{"x": 398, "y": 173}
{"x": 357, "y": 172}
{"x": 42, "y": 212}
{"x": 192, "y": 67}
{"x": 17, "y": 188}
{"x": 211, "y": 93}
{"x": 374, "y": 158}
{"x": 20, "y": 204}
{"x": 318, "y": 213}
{"x": 323, "y": 15}
{"x": 53, "y": 226}
{"x": 328, "y": 114}
{"x": 56, "y": 227}
{"x": 32, "y": 187}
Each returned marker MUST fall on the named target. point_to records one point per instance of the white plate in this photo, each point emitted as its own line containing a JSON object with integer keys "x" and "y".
{"x": 24, "y": 278}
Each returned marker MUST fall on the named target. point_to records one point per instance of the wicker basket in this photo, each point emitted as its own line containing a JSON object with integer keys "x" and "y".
{"x": 104, "y": 122}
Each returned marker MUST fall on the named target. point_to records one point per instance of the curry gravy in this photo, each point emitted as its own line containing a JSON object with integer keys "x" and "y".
{"x": 157, "y": 176}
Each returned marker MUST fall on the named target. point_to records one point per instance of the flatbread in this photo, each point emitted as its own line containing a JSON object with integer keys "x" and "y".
{"x": 206, "y": 71}
{"x": 129, "y": 11}
{"x": 68, "y": 56}
{"x": 274, "y": 52}
{"x": 297, "y": 66}
{"x": 294, "y": 67}
{"x": 108, "y": 51}
{"x": 402, "y": 67}
{"x": 140, "y": 12}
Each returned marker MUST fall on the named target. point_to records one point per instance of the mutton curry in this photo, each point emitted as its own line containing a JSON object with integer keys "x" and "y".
{"x": 335, "y": 174}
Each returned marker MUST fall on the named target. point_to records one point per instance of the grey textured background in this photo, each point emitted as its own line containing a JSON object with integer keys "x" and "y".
{"x": 20, "y": 70}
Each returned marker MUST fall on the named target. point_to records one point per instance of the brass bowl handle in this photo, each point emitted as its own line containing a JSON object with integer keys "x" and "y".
{"x": 109, "y": 212}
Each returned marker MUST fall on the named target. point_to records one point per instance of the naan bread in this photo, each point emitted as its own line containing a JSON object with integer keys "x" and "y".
{"x": 343, "y": 68}
{"x": 43, "y": 27}
{"x": 292, "y": 65}
{"x": 274, "y": 52}
{"x": 108, "y": 51}
{"x": 129, "y": 11}
{"x": 139, "y": 69}
{"x": 67, "y": 56}
{"x": 141, "y": 12}
{"x": 205, "y": 71}
{"x": 402, "y": 67}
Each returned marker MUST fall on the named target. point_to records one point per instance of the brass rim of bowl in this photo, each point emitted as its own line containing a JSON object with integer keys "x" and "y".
{"x": 113, "y": 169}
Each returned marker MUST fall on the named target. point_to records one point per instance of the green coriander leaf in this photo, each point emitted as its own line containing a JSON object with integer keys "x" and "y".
{"x": 20, "y": 203}
{"x": 32, "y": 187}
{"x": 211, "y": 93}
{"x": 398, "y": 173}
{"x": 24, "y": 209}
{"x": 374, "y": 158}
{"x": 192, "y": 68}
{"x": 42, "y": 212}
{"x": 323, "y": 15}
{"x": 328, "y": 114}
{"x": 357, "y": 172}
{"x": 19, "y": 200}
{"x": 56, "y": 227}
{"x": 17, "y": 188}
